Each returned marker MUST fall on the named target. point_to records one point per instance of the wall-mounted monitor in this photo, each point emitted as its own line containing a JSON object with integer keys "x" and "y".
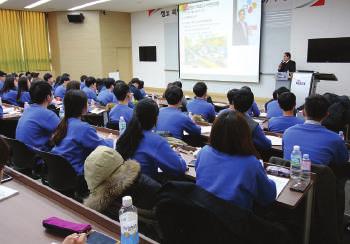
{"x": 148, "y": 53}
{"x": 329, "y": 50}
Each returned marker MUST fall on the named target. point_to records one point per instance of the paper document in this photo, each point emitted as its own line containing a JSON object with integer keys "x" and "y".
{"x": 275, "y": 141}
{"x": 205, "y": 129}
{"x": 97, "y": 110}
{"x": 263, "y": 115}
{"x": 6, "y": 192}
{"x": 280, "y": 183}
{"x": 8, "y": 110}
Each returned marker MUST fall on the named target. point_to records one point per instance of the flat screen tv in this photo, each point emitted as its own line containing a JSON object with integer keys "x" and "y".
{"x": 148, "y": 53}
{"x": 329, "y": 50}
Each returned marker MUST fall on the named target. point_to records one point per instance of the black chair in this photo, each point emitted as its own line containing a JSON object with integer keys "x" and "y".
{"x": 112, "y": 125}
{"x": 8, "y": 127}
{"x": 23, "y": 158}
{"x": 60, "y": 175}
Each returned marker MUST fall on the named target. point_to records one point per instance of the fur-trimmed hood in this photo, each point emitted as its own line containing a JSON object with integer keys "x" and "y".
{"x": 108, "y": 176}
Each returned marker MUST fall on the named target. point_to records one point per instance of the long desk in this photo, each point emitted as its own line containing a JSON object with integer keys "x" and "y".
{"x": 22, "y": 214}
{"x": 16, "y": 112}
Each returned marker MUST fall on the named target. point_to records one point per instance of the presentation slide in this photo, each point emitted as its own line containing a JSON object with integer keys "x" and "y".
{"x": 219, "y": 40}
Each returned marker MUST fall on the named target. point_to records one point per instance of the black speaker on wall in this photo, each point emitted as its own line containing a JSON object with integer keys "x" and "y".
{"x": 75, "y": 18}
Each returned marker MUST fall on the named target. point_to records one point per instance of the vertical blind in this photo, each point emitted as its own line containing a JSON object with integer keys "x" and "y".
{"x": 23, "y": 41}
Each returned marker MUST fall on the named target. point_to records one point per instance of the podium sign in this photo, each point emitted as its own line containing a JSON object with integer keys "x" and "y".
{"x": 282, "y": 76}
{"x": 301, "y": 86}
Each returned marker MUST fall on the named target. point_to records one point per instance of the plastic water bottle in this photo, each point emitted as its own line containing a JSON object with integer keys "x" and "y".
{"x": 122, "y": 125}
{"x": 0, "y": 101}
{"x": 128, "y": 222}
{"x": 305, "y": 169}
{"x": 295, "y": 161}
{"x": 26, "y": 105}
{"x": 61, "y": 113}
{"x": 341, "y": 134}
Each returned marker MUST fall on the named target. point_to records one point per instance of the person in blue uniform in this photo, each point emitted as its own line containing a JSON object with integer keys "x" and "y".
{"x": 122, "y": 93}
{"x": 199, "y": 104}
{"x": 60, "y": 89}
{"x": 90, "y": 88}
{"x": 82, "y": 81}
{"x": 152, "y": 151}
{"x": 1, "y": 111}
{"x": 49, "y": 79}
{"x": 323, "y": 146}
{"x": 21, "y": 95}
{"x": 254, "y": 109}
{"x": 241, "y": 100}
{"x": 172, "y": 120}
{"x": 107, "y": 96}
{"x": 2, "y": 80}
{"x": 10, "y": 87}
{"x": 229, "y": 168}
{"x": 135, "y": 85}
{"x": 37, "y": 123}
{"x": 273, "y": 109}
{"x": 287, "y": 102}
{"x": 74, "y": 139}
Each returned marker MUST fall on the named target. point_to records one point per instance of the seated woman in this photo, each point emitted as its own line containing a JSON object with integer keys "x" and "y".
{"x": 9, "y": 89}
{"x": 139, "y": 142}
{"x": 22, "y": 95}
{"x": 228, "y": 167}
{"x": 74, "y": 139}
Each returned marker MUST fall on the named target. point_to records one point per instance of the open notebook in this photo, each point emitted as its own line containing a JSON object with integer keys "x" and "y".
{"x": 280, "y": 183}
{"x": 6, "y": 192}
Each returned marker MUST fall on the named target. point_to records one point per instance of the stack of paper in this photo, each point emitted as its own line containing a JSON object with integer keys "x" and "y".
{"x": 205, "y": 129}
{"x": 275, "y": 140}
{"x": 6, "y": 192}
{"x": 8, "y": 110}
{"x": 280, "y": 183}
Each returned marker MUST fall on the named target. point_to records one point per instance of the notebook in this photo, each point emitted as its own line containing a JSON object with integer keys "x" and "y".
{"x": 6, "y": 192}
{"x": 280, "y": 183}
{"x": 275, "y": 141}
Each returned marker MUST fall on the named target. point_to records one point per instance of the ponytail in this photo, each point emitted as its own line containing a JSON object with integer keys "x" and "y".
{"x": 130, "y": 139}
{"x": 60, "y": 132}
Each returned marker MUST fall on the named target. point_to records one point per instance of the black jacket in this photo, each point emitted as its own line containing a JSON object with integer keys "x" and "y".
{"x": 289, "y": 66}
{"x": 189, "y": 214}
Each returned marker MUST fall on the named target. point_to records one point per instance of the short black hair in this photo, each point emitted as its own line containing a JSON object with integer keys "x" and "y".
{"x": 109, "y": 82}
{"x": 242, "y": 100}
{"x": 173, "y": 95}
{"x": 142, "y": 84}
{"x": 200, "y": 89}
{"x": 47, "y": 76}
{"x": 316, "y": 107}
{"x": 177, "y": 83}
{"x": 121, "y": 90}
{"x": 230, "y": 95}
{"x": 90, "y": 81}
{"x": 39, "y": 90}
{"x": 66, "y": 74}
{"x": 64, "y": 78}
{"x": 73, "y": 85}
{"x": 246, "y": 88}
{"x": 287, "y": 101}
{"x": 83, "y": 78}
{"x": 135, "y": 80}
{"x": 2, "y": 73}
{"x": 288, "y": 54}
{"x": 279, "y": 91}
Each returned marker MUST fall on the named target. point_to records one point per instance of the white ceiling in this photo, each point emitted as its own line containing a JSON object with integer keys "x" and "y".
{"x": 113, "y": 5}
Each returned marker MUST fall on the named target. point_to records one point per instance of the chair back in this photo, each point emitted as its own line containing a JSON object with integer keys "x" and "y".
{"x": 112, "y": 125}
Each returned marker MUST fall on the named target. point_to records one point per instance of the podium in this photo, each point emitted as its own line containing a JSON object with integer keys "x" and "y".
{"x": 304, "y": 84}
{"x": 283, "y": 79}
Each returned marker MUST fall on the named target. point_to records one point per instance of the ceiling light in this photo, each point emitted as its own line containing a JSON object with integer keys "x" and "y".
{"x": 33, "y": 5}
{"x": 2, "y": 1}
{"x": 87, "y": 5}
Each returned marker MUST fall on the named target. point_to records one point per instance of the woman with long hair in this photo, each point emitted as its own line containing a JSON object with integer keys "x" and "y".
{"x": 228, "y": 166}
{"x": 10, "y": 84}
{"x": 139, "y": 142}
{"x": 73, "y": 138}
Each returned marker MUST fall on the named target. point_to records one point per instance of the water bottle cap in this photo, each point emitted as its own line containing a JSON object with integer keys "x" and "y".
{"x": 121, "y": 117}
{"x": 306, "y": 156}
{"x": 296, "y": 148}
{"x": 341, "y": 132}
{"x": 127, "y": 201}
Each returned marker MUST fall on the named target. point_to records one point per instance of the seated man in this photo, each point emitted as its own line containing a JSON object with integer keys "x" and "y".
{"x": 122, "y": 93}
{"x": 287, "y": 102}
{"x": 107, "y": 96}
{"x": 90, "y": 88}
{"x": 323, "y": 146}
{"x": 199, "y": 104}
{"x": 60, "y": 90}
{"x": 272, "y": 108}
{"x": 254, "y": 109}
{"x": 171, "y": 119}
{"x": 37, "y": 123}
{"x": 241, "y": 100}
{"x": 135, "y": 85}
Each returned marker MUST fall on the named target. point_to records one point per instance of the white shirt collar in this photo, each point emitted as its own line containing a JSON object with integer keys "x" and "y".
{"x": 312, "y": 122}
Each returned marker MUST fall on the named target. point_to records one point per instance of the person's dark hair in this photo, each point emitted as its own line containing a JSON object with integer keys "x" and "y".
{"x": 230, "y": 134}
{"x": 242, "y": 100}
{"x": 144, "y": 118}
{"x": 34, "y": 75}
{"x": 287, "y": 101}
{"x": 47, "y": 76}
{"x": 64, "y": 78}
{"x": 4, "y": 153}
{"x": 316, "y": 107}
{"x": 39, "y": 91}
{"x": 229, "y": 95}
{"x": 288, "y": 54}
{"x": 28, "y": 73}
{"x": 75, "y": 101}
{"x": 9, "y": 84}
{"x": 109, "y": 82}
{"x": 14, "y": 74}
{"x": 173, "y": 95}
{"x": 2, "y": 73}
{"x": 83, "y": 78}
{"x": 20, "y": 75}
{"x": 246, "y": 88}
{"x": 177, "y": 83}
{"x": 66, "y": 74}
{"x": 142, "y": 84}
{"x": 99, "y": 83}
{"x": 200, "y": 89}
{"x": 120, "y": 90}
{"x": 73, "y": 85}
{"x": 90, "y": 81}
{"x": 279, "y": 91}
{"x": 135, "y": 80}
{"x": 22, "y": 87}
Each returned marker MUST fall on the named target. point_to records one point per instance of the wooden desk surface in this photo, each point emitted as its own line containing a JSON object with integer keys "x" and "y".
{"x": 22, "y": 214}
{"x": 15, "y": 115}
{"x": 105, "y": 132}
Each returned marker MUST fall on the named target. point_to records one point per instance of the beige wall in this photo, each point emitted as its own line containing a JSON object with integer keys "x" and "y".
{"x": 100, "y": 45}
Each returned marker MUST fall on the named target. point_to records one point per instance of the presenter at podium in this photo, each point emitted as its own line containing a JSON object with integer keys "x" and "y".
{"x": 287, "y": 65}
